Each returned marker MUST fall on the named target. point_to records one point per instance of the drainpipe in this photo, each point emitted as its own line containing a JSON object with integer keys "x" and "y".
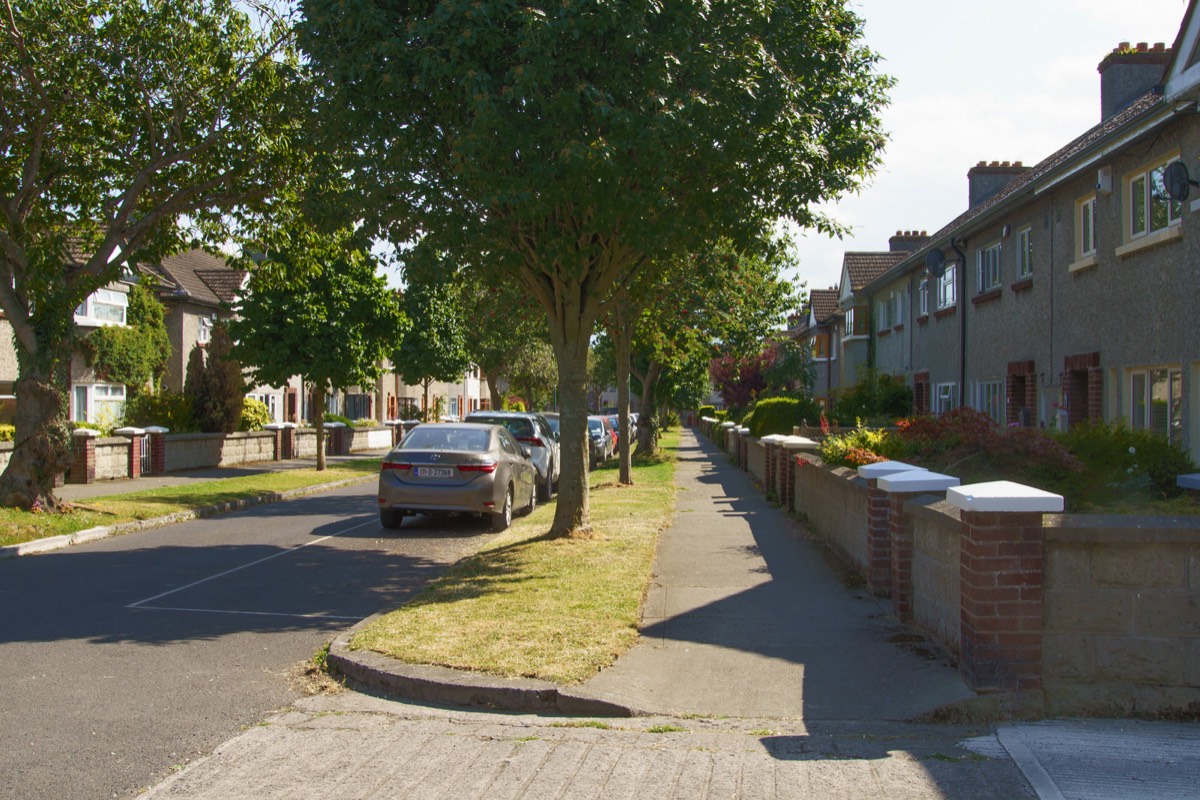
{"x": 962, "y": 320}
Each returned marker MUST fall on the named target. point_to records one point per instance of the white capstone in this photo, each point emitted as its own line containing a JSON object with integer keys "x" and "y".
{"x": 798, "y": 443}
{"x": 728, "y": 424}
{"x": 881, "y": 468}
{"x": 86, "y": 433}
{"x": 772, "y": 438}
{"x": 129, "y": 431}
{"x": 1004, "y": 496}
{"x": 744, "y": 431}
{"x": 157, "y": 429}
{"x": 1191, "y": 481}
{"x": 917, "y": 480}
{"x": 273, "y": 426}
{"x": 335, "y": 424}
{"x": 288, "y": 424}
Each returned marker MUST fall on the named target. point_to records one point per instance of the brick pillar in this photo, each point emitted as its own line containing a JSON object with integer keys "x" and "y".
{"x": 879, "y": 541}
{"x": 1001, "y": 565}
{"x": 277, "y": 445}
{"x": 1095, "y": 403}
{"x": 901, "y": 487}
{"x": 769, "y": 467}
{"x": 287, "y": 444}
{"x": 744, "y": 448}
{"x": 83, "y": 465}
{"x": 158, "y": 449}
{"x": 133, "y": 467}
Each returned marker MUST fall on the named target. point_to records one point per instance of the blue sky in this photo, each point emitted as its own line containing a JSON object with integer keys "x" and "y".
{"x": 978, "y": 80}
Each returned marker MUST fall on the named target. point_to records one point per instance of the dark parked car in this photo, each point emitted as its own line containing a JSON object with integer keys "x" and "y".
{"x": 533, "y": 431}
{"x": 456, "y": 467}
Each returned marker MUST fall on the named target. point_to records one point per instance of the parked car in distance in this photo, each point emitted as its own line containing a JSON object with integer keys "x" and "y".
{"x": 532, "y": 430}
{"x": 456, "y": 467}
{"x": 552, "y": 418}
{"x": 601, "y": 441}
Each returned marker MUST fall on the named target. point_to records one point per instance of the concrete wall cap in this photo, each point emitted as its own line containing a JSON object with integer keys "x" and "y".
{"x": 86, "y": 433}
{"x": 335, "y": 424}
{"x": 798, "y": 443}
{"x": 744, "y": 431}
{"x": 1004, "y": 496}
{"x": 881, "y": 468}
{"x": 917, "y": 480}
{"x": 1191, "y": 481}
{"x": 157, "y": 429}
{"x": 129, "y": 431}
{"x": 728, "y": 424}
{"x": 273, "y": 426}
{"x": 773, "y": 438}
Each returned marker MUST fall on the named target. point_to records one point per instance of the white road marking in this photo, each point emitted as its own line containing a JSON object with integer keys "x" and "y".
{"x": 290, "y": 550}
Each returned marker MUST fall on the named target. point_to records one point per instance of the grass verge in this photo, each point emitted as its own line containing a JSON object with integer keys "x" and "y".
{"x": 25, "y": 526}
{"x": 527, "y": 606}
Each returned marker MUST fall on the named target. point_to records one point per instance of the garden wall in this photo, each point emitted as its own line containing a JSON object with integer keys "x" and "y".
{"x": 1086, "y": 614}
{"x": 757, "y": 460}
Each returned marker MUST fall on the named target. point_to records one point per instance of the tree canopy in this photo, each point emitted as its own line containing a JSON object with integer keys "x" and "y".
{"x": 573, "y": 143}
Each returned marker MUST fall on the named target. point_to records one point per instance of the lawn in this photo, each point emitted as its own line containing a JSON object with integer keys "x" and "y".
{"x": 527, "y": 606}
{"x": 17, "y": 527}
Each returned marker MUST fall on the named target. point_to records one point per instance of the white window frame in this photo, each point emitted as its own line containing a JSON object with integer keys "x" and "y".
{"x": 103, "y": 308}
{"x": 1025, "y": 252}
{"x": 987, "y": 267}
{"x": 1144, "y": 383}
{"x": 1153, "y": 193}
{"x": 944, "y": 397}
{"x": 923, "y": 296}
{"x": 882, "y": 312}
{"x": 99, "y": 403}
{"x": 204, "y": 326}
{"x": 989, "y": 399}
{"x": 947, "y": 296}
{"x": 1085, "y": 226}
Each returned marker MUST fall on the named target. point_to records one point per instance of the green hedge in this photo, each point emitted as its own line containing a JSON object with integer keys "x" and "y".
{"x": 780, "y": 415}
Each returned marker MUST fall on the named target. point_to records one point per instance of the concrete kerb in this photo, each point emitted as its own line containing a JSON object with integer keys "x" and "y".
{"x": 51, "y": 543}
{"x": 445, "y": 686}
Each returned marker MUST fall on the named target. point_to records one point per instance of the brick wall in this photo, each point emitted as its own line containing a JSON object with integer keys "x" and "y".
{"x": 756, "y": 460}
{"x": 835, "y": 503}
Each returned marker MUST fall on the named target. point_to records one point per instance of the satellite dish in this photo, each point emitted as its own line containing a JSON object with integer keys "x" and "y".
{"x": 935, "y": 262}
{"x": 1179, "y": 183}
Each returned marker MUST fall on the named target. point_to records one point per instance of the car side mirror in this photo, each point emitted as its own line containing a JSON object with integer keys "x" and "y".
{"x": 525, "y": 451}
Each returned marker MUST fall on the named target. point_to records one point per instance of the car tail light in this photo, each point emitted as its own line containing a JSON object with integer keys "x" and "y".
{"x": 486, "y": 466}
{"x": 532, "y": 441}
{"x": 398, "y": 465}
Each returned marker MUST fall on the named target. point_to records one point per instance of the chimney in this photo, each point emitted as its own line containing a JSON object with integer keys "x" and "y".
{"x": 1128, "y": 72}
{"x": 907, "y": 241}
{"x": 985, "y": 179}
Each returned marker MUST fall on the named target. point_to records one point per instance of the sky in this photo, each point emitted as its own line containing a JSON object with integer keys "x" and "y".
{"x": 977, "y": 80}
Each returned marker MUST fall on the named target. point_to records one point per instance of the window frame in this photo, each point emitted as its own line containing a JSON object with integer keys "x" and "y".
{"x": 1140, "y": 412}
{"x": 947, "y": 289}
{"x": 989, "y": 399}
{"x": 944, "y": 397}
{"x": 1085, "y": 226}
{"x": 87, "y": 396}
{"x": 987, "y": 266}
{"x": 923, "y": 296}
{"x": 1151, "y": 177}
{"x": 1025, "y": 252}
{"x": 85, "y": 312}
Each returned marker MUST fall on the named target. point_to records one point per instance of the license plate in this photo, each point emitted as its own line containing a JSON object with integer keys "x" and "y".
{"x": 435, "y": 472}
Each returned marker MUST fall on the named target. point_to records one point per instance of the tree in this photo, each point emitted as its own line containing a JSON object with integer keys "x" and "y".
{"x": 134, "y": 354}
{"x": 117, "y": 117}
{"x": 505, "y": 322}
{"x": 215, "y": 385}
{"x": 534, "y": 374}
{"x": 574, "y": 143}
{"x": 333, "y": 328}
{"x": 434, "y": 348}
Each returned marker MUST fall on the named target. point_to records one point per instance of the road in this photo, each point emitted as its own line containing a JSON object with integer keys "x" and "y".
{"x": 124, "y": 659}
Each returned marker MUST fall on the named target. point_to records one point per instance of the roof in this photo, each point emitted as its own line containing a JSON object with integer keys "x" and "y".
{"x": 1026, "y": 181}
{"x": 200, "y": 277}
{"x": 824, "y": 304}
{"x": 862, "y": 268}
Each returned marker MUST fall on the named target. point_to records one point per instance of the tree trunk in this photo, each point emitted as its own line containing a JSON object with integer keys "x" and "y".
{"x": 319, "y": 421}
{"x": 622, "y": 335}
{"x": 42, "y": 441}
{"x": 493, "y": 379}
{"x": 425, "y": 406}
{"x": 647, "y": 409}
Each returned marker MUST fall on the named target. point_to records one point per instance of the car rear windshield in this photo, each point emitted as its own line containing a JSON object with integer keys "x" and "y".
{"x": 595, "y": 425}
{"x": 439, "y": 437}
{"x": 519, "y": 427}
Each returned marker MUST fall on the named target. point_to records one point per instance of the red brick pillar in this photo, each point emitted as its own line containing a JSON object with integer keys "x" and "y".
{"x": 879, "y": 537}
{"x": 1002, "y": 561}
{"x": 768, "y": 444}
{"x": 900, "y": 488}
{"x": 339, "y": 442}
{"x": 277, "y": 445}
{"x": 287, "y": 444}
{"x": 83, "y": 466}
{"x": 744, "y": 448}
{"x": 133, "y": 467}
{"x": 158, "y": 449}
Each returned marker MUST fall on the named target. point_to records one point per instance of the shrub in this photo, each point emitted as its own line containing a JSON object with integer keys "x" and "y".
{"x": 668, "y": 419}
{"x": 874, "y": 397}
{"x": 857, "y": 447}
{"x": 1115, "y": 455}
{"x": 514, "y": 404}
{"x": 255, "y": 415}
{"x": 171, "y": 410}
{"x": 706, "y": 411}
{"x": 338, "y": 418}
{"x": 779, "y": 415}
{"x": 7, "y": 432}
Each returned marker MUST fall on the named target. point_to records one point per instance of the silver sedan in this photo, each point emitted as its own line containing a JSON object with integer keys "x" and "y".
{"x": 455, "y": 468}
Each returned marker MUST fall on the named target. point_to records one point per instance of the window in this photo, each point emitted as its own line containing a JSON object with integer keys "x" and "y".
{"x": 989, "y": 399}
{"x": 1156, "y": 402}
{"x": 820, "y": 346}
{"x": 1085, "y": 234}
{"x": 883, "y": 315}
{"x": 271, "y": 401}
{"x": 945, "y": 288}
{"x": 97, "y": 403}
{"x": 1025, "y": 253}
{"x": 987, "y": 261}
{"x": 103, "y": 307}
{"x": 204, "y": 330}
{"x": 923, "y": 296}
{"x": 1150, "y": 207}
{"x": 946, "y": 398}
{"x": 857, "y": 320}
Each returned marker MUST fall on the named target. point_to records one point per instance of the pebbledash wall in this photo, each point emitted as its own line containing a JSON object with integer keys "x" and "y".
{"x": 109, "y": 457}
{"x": 1062, "y": 614}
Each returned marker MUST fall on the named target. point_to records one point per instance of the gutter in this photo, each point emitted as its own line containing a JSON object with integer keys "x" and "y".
{"x": 962, "y": 320}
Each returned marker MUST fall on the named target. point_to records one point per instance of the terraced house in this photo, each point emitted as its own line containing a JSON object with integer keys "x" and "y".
{"x": 1068, "y": 290}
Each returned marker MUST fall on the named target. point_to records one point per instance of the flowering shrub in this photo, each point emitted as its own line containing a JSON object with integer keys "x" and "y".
{"x": 857, "y": 447}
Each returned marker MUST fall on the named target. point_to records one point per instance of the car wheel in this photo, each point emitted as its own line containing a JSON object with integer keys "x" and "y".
{"x": 546, "y": 487}
{"x": 390, "y": 518}
{"x": 503, "y": 518}
{"x": 532, "y": 506}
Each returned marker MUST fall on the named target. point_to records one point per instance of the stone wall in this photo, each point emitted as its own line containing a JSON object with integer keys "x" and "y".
{"x": 835, "y": 503}
{"x": 112, "y": 458}
{"x": 1122, "y": 614}
{"x": 936, "y": 531}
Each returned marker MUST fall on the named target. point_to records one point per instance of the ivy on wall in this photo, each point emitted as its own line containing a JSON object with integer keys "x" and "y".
{"x": 134, "y": 355}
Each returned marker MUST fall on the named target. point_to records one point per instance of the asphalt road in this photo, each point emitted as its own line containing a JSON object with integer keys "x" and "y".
{"x": 123, "y": 660}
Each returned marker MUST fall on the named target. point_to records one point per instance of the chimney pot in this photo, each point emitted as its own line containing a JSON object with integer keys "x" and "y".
{"x": 1142, "y": 47}
{"x": 1121, "y": 47}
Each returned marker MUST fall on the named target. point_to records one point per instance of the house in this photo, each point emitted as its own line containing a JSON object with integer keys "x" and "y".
{"x": 1067, "y": 290}
{"x": 819, "y": 328}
